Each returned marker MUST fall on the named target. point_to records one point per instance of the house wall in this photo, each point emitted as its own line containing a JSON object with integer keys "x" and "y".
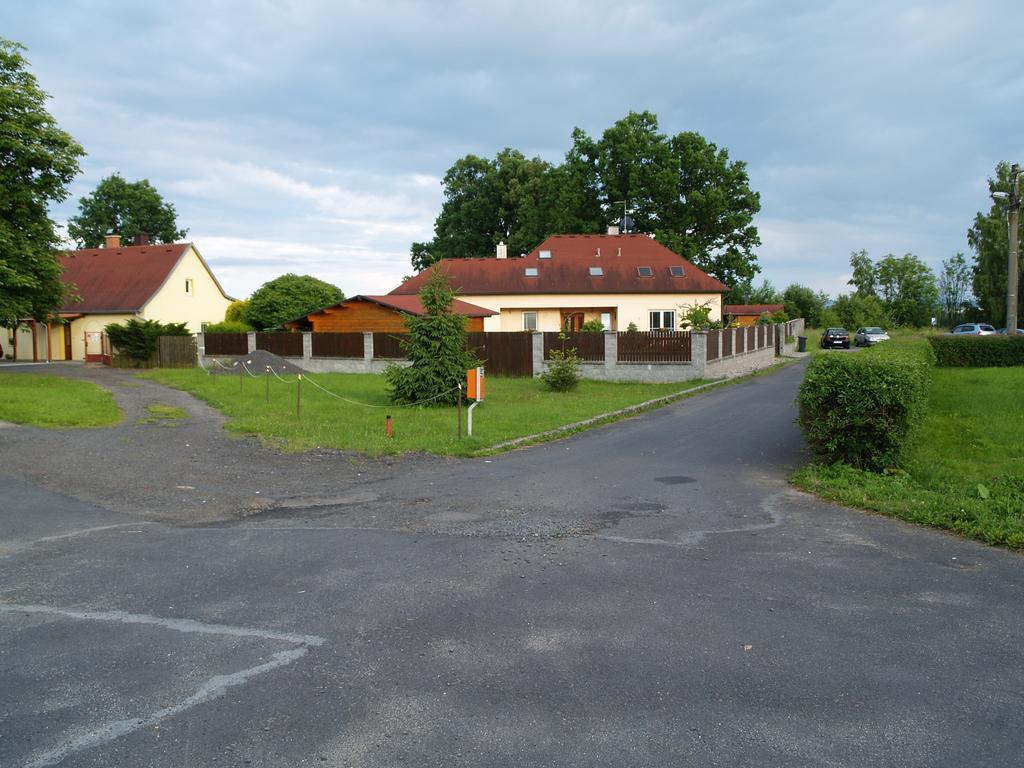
{"x": 171, "y": 304}
{"x": 358, "y": 316}
{"x": 625, "y": 308}
{"x": 82, "y": 325}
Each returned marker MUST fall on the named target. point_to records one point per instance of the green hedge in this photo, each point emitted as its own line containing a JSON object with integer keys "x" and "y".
{"x": 978, "y": 351}
{"x": 862, "y": 408}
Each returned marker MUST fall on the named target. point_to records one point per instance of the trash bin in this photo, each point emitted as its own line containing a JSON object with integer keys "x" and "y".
{"x": 801, "y": 343}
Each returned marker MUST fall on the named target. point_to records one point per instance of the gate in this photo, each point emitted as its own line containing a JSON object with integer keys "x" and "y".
{"x": 504, "y": 353}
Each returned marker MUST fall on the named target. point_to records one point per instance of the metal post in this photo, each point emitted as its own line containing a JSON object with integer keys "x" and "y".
{"x": 266, "y": 375}
{"x": 460, "y": 410}
{"x": 298, "y": 397}
{"x": 469, "y": 418}
{"x": 1013, "y": 233}
{"x": 241, "y": 377}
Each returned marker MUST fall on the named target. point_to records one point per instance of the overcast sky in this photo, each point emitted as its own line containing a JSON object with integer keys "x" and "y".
{"x": 311, "y": 137}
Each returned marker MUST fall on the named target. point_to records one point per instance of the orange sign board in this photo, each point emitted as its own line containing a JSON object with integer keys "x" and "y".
{"x": 475, "y": 383}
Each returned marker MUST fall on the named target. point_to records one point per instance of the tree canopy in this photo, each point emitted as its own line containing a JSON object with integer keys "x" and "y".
{"x": 125, "y": 208}
{"x": 954, "y": 286}
{"x": 989, "y": 237}
{"x": 287, "y": 297}
{"x": 37, "y": 162}
{"x": 683, "y": 189}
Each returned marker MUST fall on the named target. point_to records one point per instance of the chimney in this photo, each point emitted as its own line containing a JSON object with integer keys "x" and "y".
{"x": 613, "y": 229}
{"x": 112, "y": 241}
{"x": 502, "y": 251}
{"x": 141, "y": 238}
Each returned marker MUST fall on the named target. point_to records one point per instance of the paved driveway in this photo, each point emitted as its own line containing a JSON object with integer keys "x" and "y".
{"x": 648, "y": 593}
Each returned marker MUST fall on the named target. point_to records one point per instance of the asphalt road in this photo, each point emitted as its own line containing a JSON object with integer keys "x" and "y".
{"x": 648, "y": 593}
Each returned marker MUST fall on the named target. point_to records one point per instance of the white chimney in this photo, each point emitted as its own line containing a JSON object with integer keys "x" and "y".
{"x": 502, "y": 251}
{"x": 613, "y": 229}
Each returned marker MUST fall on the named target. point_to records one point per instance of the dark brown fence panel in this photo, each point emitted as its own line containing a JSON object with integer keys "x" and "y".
{"x": 654, "y": 347}
{"x": 283, "y": 344}
{"x": 176, "y": 351}
{"x": 503, "y": 354}
{"x": 741, "y": 340}
{"x": 728, "y": 335}
{"x": 761, "y": 337}
{"x": 751, "y": 338}
{"x": 388, "y": 346}
{"x": 226, "y": 343}
{"x": 589, "y": 346}
{"x": 337, "y": 344}
{"x": 713, "y": 336}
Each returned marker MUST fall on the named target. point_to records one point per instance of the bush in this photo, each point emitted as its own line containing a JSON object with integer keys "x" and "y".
{"x": 228, "y": 326}
{"x": 563, "y": 373}
{"x": 863, "y": 409}
{"x": 978, "y": 351}
{"x": 137, "y": 339}
{"x": 592, "y": 326}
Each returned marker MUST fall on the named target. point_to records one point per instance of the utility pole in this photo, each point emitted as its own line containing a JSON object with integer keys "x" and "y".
{"x": 1014, "y": 235}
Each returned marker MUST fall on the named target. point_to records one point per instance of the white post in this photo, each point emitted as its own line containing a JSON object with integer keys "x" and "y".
{"x": 469, "y": 424}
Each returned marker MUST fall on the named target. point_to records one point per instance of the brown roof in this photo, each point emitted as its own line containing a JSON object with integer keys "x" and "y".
{"x": 118, "y": 279}
{"x": 568, "y": 269}
{"x": 751, "y": 309}
{"x": 413, "y": 306}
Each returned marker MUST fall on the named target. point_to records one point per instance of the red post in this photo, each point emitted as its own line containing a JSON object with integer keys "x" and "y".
{"x": 387, "y": 427}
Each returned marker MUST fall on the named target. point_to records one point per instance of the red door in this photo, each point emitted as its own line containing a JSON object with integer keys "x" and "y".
{"x": 67, "y": 341}
{"x": 93, "y": 346}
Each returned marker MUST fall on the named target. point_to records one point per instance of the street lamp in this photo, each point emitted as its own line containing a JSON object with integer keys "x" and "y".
{"x": 1013, "y": 234}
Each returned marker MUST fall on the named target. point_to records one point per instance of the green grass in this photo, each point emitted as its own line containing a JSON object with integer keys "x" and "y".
{"x": 966, "y": 470}
{"x": 514, "y": 408}
{"x": 54, "y": 402}
{"x": 164, "y": 415}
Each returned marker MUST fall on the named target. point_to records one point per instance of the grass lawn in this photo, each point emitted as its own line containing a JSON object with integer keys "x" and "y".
{"x": 54, "y": 402}
{"x": 966, "y": 472}
{"x": 513, "y": 408}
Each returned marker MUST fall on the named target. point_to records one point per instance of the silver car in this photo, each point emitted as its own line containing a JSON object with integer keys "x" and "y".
{"x": 865, "y": 337}
{"x": 973, "y": 329}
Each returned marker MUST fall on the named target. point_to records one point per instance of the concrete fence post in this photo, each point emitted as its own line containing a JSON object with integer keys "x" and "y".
{"x": 200, "y": 345}
{"x": 699, "y": 352}
{"x": 368, "y": 350}
{"x": 250, "y": 339}
{"x": 538, "y": 353}
{"x": 307, "y": 346}
{"x": 611, "y": 350}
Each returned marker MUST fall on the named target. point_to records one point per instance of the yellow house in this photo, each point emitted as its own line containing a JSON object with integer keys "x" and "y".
{"x": 569, "y": 280}
{"x": 168, "y": 283}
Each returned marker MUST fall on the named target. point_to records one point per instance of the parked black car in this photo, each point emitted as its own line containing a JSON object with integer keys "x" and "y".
{"x": 835, "y": 337}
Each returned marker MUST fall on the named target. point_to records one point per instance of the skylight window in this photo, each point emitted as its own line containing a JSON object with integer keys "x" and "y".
{"x": 531, "y": 272}
{"x": 676, "y": 271}
{"x": 544, "y": 255}
{"x": 645, "y": 272}
{"x": 596, "y": 271}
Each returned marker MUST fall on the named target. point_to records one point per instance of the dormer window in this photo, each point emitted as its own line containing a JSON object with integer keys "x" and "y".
{"x": 531, "y": 272}
{"x": 645, "y": 272}
{"x": 676, "y": 271}
{"x": 596, "y": 272}
{"x": 544, "y": 255}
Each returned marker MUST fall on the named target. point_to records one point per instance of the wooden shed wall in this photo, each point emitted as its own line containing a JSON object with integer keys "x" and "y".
{"x": 366, "y": 317}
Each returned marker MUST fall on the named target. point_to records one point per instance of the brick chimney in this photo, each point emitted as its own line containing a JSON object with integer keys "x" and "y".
{"x": 112, "y": 241}
{"x": 141, "y": 238}
{"x": 502, "y": 250}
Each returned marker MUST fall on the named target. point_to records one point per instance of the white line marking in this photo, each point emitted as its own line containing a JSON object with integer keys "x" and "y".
{"x": 85, "y": 531}
{"x": 211, "y": 689}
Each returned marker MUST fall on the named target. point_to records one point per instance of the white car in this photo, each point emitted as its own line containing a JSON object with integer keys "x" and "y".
{"x": 865, "y": 337}
{"x": 973, "y": 329}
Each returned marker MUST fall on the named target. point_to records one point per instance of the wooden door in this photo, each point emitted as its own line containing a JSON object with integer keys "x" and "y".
{"x": 572, "y": 322}
{"x": 67, "y": 341}
{"x": 93, "y": 346}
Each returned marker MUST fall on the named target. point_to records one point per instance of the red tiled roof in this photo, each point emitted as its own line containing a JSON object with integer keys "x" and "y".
{"x": 751, "y": 309}
{"x": 118, "y": 279}
{"x": 413, "y": 306}
{"x": 568, "y": 269}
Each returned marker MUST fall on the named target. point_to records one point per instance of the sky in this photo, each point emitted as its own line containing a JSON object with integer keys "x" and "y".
{"x": 311, "y": 137}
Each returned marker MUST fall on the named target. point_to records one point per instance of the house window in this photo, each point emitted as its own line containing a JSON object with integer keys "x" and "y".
{"x": 663, "y": 320}
{"x": 188, "y": 286}
{"x": 606, "y": 320}
{"x": 530, "y": 272}
{"x": 596, "y": 271}
{"x": 645, "y": 272}
{"x": 676, "y": 271}
{"x": 529, "y": 321}
{"x": 544, "y": 255}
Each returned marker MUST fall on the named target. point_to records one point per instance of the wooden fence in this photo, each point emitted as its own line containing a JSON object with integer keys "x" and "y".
{"x": 503, "y": 353}
{"x": 654, "y": 347}
{"x": 337, "y": 344}
{"x": 388, "y": 346}
{"x": 589, "y": 346}
{"x": 736, "y": 341}
{"x": 713, "y": 337}
{"x": 176, "y": 351}
{"x": 226, "y": 343}
{"x": 282, "y": 344}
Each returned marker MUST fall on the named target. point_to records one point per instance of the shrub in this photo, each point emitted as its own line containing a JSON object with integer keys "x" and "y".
{"x": 137, "y": 339}
{"x": 592, "y": 326}
{"x": 563, "y": 373}
{"x": 228, "y": 326}
{"x": 863, "y": 409}
{"x": 978, "y": 351}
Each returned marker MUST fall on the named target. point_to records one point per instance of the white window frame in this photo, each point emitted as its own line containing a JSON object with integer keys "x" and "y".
{"x": 661, "y": 314}
{"x": 526, "y": 325}
{"x": 190, "y": 287}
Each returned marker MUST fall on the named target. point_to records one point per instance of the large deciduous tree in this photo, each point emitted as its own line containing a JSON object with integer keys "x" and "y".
{"x": 989, "y": 237}
{"x": 682, "y": 189}
{"x": 801, "y": 301}
{"x": 126, "y": 208}
{"x": 287, "y": 298}
{"x": 954, "y": 286}
{"x": 37, "y": 162}
{"x": 863, "y": 274}
{"x": 907, "y": 287}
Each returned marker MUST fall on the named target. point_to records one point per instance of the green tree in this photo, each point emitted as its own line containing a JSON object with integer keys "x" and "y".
{"x": 856, "y": 311}
{"x": 954, "y": 284}
{"x": 288, "y": 297}
{"x": 863, "y": 273}
{"x": 989, "y": 238}
{"x": 37, "y": 162}
{"x": 235, "y": 313}
{"x": 436, "y": 349}
{"x": 125, "y": 208}
{"x": 801, "y": 301}
{"x": 907, "y": 287}
{"x": 746, "y": 292}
